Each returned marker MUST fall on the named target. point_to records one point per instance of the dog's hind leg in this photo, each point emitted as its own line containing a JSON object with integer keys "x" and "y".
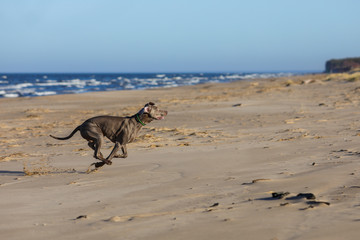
{"x": 98, "y": 154}
{"x": 92, "y": 144}
{"x": 93, "y": 135}
{"x": 96, "y": 145}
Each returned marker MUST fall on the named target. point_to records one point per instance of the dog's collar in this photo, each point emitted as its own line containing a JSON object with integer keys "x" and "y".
{"x": 138, "y": 120}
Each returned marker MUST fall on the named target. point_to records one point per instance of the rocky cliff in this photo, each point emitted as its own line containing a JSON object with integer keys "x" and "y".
{"x": 342, "y": 65}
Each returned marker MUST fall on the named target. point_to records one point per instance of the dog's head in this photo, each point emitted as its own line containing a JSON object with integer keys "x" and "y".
{"x": 153, "y": 111}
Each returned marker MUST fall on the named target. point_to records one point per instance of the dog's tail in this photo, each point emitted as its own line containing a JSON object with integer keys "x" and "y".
{"x": 68, "y": 137}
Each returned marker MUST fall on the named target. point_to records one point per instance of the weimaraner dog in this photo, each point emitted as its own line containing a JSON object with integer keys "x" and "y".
{"x": 119, "y": 130}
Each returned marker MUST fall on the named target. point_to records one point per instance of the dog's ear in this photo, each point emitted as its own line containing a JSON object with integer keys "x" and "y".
{"x": 148, "y": 106}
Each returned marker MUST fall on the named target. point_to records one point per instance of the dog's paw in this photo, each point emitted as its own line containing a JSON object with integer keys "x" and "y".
{"x": 108, "y": 162}
{"x": 99, "y": 164}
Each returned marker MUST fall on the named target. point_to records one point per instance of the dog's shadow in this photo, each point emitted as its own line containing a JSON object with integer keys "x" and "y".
{"x": 12, "y": 173}
{"x": 22, "y": 173}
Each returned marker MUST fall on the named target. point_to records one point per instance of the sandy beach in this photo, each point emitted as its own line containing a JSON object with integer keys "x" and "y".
{"x": 263, "y": 159}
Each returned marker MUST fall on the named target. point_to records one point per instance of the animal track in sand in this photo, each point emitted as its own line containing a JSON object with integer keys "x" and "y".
{"x": 42, "y": 167}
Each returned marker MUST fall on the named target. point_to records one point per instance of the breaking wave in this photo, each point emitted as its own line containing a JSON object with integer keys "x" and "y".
{"x": 31, "y": 85}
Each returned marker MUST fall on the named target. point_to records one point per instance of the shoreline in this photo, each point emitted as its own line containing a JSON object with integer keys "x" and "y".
{"x": 210, "y": 170}
{"x": 32, "y": 85}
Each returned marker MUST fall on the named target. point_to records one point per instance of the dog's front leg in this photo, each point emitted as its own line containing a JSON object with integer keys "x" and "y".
{"x": 124, "y": 150}
{"x": 113, "y": 153}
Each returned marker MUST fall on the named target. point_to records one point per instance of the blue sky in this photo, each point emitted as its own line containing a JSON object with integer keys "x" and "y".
{"x": 176, "y": 35}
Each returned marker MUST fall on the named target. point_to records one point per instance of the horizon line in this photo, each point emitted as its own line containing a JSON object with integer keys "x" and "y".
{"x": 162, "y": 72}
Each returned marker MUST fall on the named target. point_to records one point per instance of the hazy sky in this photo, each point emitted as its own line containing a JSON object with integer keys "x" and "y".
{"x": 176, "y": 35}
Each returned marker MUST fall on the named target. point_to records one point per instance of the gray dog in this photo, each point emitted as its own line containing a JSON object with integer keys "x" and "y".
{"x": 119, "y": 130}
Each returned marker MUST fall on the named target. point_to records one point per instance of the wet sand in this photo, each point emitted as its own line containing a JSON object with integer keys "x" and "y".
{"x": 228, "y": 162}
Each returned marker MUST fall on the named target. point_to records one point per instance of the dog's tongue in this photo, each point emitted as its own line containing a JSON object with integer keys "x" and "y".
{"x": 160, "y": 118}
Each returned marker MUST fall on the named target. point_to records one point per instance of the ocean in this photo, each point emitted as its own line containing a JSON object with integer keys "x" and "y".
{"x": 14, "y": 85}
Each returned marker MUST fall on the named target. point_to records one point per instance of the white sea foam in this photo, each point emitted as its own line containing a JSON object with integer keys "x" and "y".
{"x": 42, "y": 85}
{"x": 129, "y": 86}
{"x": 234, "y": 76}
{"x": 11, "y": 95}
{"x": 16, "y": 86}
{"x": 71, "y": 83}
{"x": 46, "y": 93}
